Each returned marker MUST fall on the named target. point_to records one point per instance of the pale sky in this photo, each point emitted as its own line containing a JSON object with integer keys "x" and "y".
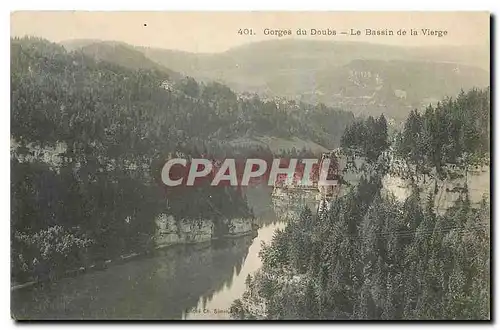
{"x": 218, "y": 31}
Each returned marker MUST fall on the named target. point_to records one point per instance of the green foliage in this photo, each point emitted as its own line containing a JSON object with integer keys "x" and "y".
{"x": 366, "y": 138}
{"x": 54, "y": 248}
{"x": 380, "y": 262}
{"x": 454, "y": 132}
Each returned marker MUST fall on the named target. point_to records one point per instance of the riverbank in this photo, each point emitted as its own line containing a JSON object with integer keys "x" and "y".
{"x": 159, "y": 286}
{"x": 231, "y": 234}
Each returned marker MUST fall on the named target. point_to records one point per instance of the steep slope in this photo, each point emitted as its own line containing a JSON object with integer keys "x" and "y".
{"x": 269, "y": 116}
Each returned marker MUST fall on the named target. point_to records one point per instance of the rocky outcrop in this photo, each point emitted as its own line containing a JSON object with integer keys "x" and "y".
{"x": 447, "y": 191}
{"x": 185, "y": 231}
{"x": 238, "y": 226}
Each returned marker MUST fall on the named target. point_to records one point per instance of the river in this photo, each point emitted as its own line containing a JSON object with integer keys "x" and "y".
{"x": 180, "y": 282}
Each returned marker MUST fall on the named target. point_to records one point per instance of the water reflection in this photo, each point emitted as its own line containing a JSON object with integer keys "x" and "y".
{"x": 158, "y": 287}
{"x": 162, "y": 286}
{"x": 217, "y": 306}
{"x": 271, "y": 214}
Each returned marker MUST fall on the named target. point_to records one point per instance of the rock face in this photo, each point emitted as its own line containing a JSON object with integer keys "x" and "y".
{"x": 238, "y": 226}
{"x": 448, "y": 191}
{"x": 171, "y": 231}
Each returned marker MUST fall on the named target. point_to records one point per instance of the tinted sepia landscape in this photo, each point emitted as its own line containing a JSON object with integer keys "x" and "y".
{"x": 95, "y": 114}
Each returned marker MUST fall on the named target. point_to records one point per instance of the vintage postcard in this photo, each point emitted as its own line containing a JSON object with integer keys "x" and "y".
{"x": 250, "y": 165}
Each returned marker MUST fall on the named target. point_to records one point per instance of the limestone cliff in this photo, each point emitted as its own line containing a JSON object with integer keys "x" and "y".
{"x": 184, "y": 231}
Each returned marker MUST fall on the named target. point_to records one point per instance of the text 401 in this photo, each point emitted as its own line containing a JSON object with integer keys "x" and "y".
{"x": 246, "y": 32}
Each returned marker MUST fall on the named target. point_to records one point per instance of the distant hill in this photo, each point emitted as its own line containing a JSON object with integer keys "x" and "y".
{"x": 372, "y": 87}
{"x": 365, "y": 78}
{"x": 118, "y": 53}
{"x": 361, "y": 77}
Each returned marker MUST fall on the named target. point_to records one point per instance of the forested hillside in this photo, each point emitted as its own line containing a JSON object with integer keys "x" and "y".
{"x": 90, "y": 131}
{"x": 230, "y": 115}
{"x": 368, "y": 256}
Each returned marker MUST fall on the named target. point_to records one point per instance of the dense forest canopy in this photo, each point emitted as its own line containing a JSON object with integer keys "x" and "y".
{"x": 454, "y": 132}
{"x": 367, "y": 255}
{"x": 182, "y": 107}
{"x": 366, "y": 138}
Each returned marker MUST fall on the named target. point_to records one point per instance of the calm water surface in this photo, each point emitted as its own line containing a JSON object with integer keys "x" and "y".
{"x": 182, "y": 282}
